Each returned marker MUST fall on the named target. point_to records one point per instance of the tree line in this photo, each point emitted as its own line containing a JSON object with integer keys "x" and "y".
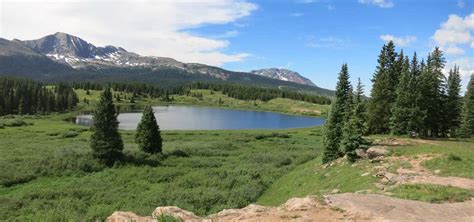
{"x": 24, "y": 96}
{"x": 235, "y": 91}
{"x": 408, "y": 97}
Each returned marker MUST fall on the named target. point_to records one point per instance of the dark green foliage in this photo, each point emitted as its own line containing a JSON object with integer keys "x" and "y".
{"x": 272, "y": 135}
{"x": 106, "y": 142}
{"x": 24, "y": 96}
{"x": 467, "y": 117}
{"x": 383, "y": 94}
{"x": 337, "y": 117}
{"x": 402, "y": 108}
{"x": 432, "y": 91}
{"x": 354, "y": 128}
{"x": 453, "y": 105}
{"x": 148, "y": 135}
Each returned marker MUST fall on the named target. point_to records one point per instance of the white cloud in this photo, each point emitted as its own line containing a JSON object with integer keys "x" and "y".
{"x": 327, "y": 42}
{"x": 456, "y": 32}
{"x": 465, "y": 64}
{"x": 399, "y": 41}
{"x": 297, "y": 14}
{"x": 147, "y": 27}
{"x": 379, "y": 3}
{"x": 453, "y": 50}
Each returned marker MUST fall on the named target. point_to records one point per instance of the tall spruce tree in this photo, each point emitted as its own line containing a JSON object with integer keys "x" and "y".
{"x": 467, "y": 118}
{"x": 338, "y": 116}
{"x": 354, "y": 128}
{"x": 106, "y": 142}
{"x": 453, "y": 103}
{"x": 148, "y": 136}
{"x": 401, "y": 109}
{"x": 433, "y": 94}
{"x": 383, "y": 94}
{"x": 415, "y": 120}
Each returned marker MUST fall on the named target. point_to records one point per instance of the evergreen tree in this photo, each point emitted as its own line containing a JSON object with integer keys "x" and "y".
{"x": 453, "y": 102}
{"x": 432, "y": 92}
{"x": 383, "y": 92}
{"x": 106, "y": 142}
{"x": 402, "y": 107}
{"x": 337, "y": 117}
{"x": 354, "y": 128}
{"x": 467, "y": 118}
{"x": 148, "y": 135}
{"x": 415, "y": 119}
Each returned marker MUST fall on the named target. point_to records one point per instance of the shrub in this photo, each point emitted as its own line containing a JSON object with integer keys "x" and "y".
{"x": 278, "y": 135}
{"x": 68, "y": 162}
{"x": 2, "y": 125}
{"x": 452, "y": 157}
{"x": 178, "y": 153}
{"x": 69, "y": 134}
{"x": 16, "y": 123}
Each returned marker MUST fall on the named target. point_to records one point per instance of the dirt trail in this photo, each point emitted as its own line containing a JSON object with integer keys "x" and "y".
{"x": 419, "y": 174}
{"x": 384, "y": 208}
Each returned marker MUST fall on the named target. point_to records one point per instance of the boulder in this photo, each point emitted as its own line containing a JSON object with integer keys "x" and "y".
{"x": 176, "y": 212}
{"x": 361, "y": 153}
{"x": 376, "y": 151}
{"x": 300, "y": 204}
{"x": 120, "y": 216}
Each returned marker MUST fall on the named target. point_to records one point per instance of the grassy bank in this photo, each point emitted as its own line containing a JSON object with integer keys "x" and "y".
{"x": 216, "y": 99}
{"x": 47, "y": 174}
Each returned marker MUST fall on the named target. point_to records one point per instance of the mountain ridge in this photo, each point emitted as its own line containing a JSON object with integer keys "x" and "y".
{"x": 283, "y": 74}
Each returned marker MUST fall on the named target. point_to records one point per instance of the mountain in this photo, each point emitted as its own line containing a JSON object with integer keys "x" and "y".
{"x": 284, "y": 75}
{"x": 64, "y": 57}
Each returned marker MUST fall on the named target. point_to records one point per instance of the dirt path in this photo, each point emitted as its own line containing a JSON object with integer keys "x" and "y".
{"x": 419, "y": 174}
{"x": 384, "y": 208}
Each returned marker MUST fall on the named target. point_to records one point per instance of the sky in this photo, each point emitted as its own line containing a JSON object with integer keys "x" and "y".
{"x": 312, "y": 37}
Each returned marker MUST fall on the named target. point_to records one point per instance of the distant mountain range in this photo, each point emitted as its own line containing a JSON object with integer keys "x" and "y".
{"x": 283, "y": 74}
{"x": 61, "y": 56}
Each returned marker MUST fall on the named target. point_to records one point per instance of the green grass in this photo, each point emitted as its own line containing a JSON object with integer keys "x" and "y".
{"x": 312, "y": 179}
{"x": 48, "y": 175}
{"x": 447, "y": 151}
{"x": 432, "y": 193}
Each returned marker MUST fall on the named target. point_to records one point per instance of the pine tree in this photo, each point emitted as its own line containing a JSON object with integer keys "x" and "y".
{"x": 148, "y": 135}
{"x": 432, "y": 91}
{"x": 415, "y": 119}
{"x": 402, "y": 107}
{"x": 106, "y": 142}
{"x": 354, "y": 129}
{"x": 453, "y": 103}
{"x": 467, "y": 118}
{"x": 337, "y": 117}
{"x": 383, "y": 92}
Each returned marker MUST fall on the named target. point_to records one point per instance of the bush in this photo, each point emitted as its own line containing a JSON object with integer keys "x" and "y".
{"x": 16, "y": 123}
{"x": 68, "y": 162}
{"x": 178, "y": 153}
{"x": 452, "y": 157}
{"x": 2, "y": 125}
{"x": 69, "y": 134}
{"x": 278, "y": 135}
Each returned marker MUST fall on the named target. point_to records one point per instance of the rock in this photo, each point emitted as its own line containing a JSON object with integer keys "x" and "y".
{"x": 361, "y": 153}
{"x": 335, "y": 191}
{"x": 120, "y": 216}
{"x": 176, "y": 212}
{"x": 365, "y": 174}
{"x": 376, "y": 151}
{"x": 299, "y": 204}
{"x": 437, "y": 171}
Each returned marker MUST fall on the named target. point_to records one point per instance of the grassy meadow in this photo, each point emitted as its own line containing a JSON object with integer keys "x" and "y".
{"x": 48, "y": 175}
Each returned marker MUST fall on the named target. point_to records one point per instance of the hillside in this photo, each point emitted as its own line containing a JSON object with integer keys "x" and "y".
{"x": 63, "y": 57}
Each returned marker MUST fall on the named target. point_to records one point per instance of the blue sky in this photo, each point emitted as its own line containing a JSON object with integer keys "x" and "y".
{"x": 312, "y": 37}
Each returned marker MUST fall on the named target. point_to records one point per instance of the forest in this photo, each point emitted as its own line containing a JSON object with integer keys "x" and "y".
{"x": 408, "y": 98}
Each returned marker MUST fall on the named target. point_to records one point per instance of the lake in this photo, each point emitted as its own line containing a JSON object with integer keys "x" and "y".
{"x": 207, "y": 118}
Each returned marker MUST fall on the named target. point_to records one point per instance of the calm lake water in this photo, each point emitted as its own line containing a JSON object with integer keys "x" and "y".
{"x": 206, "y": 118}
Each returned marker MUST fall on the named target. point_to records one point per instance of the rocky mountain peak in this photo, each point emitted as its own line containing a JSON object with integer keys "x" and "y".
{"x": 283, "y": 74}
